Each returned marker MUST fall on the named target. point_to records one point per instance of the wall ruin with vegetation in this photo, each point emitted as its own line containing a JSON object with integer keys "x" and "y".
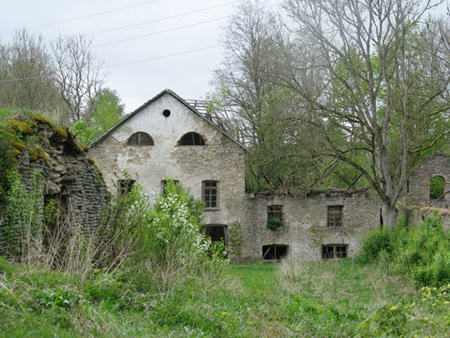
{"x": 49, "y": 155}
{"x": 424, "y": 194}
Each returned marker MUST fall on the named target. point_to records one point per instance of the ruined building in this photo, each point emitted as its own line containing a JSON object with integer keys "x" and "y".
{"x": 66, "y": 173}
{"x": 167, "y": 138}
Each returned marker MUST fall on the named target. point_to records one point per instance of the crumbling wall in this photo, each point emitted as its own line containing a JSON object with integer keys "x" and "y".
{"x": 305, "y": 227}
{"x": 417, "y": 203}
{"x": 67, "y": 174}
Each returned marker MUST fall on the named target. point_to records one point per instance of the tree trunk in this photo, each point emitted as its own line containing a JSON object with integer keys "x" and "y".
{"x": 389, "y": 214}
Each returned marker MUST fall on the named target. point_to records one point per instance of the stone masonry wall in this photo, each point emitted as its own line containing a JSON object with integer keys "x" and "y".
{"x": 418, "y": 191}
{"x": 67, "y": 174}
{"x": 416, "y": 203}
{"x": 221, "y": 159}
{"x": 305, "y": 227}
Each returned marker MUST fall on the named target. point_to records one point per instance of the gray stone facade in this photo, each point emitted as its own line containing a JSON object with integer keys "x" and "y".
{"x": 417, "y": 202}
{"x": 220, "y": 159}
{"x": 167, "y": 118}
{"x": 306, "y": 228}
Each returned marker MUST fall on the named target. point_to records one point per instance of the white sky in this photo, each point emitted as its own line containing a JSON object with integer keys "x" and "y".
{"x": 188, "y": 74}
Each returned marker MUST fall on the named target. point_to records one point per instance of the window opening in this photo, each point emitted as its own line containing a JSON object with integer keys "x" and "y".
{"x": 334, "y": 216}
{"x": 192, "y": 139}
{"x": 125, "y": 186}
{"x": 274, "y": 251}
{"x": 331, "y": 251}
{"x": 437, "y": 187}
{"x": 217, "y": 233}
{"x": 140, "y": 139}
{"x": 274, "y": 216}
{"x": 210, "y": 194}
{"x": 166, "y": 113}
{"x": 164, "y": 184}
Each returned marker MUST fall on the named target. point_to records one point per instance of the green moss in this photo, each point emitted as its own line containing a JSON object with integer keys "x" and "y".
{"x": 15, "y": 152}
{"x": 60, "y": 131}
{"x": 22, "y": 126}
{"x": 36, "y": 153}
{"x": 18, "y": 145}
{"x": 39, "y": 118}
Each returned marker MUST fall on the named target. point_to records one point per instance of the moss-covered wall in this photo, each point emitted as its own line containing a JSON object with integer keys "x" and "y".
{"x": 68, "y": 175}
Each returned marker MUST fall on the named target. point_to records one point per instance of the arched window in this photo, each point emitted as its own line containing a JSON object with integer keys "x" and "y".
{"x": 192, "y": 139}
{"x": 140, "y": 139}
{"x": 437, "y": 187}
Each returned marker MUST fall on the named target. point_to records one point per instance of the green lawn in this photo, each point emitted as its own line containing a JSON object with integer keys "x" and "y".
{"x": 316, "y": 299}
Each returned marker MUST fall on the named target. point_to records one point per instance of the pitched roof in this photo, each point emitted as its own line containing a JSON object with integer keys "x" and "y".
{"x": 149, "y": 102}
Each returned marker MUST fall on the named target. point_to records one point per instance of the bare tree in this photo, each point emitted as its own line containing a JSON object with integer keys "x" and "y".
{"x": 384, "y": 91}
{"x": 26, "y": 74}
{"x": 77, "y": 73}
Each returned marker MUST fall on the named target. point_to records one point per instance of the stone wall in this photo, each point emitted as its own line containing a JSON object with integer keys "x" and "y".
{"x": 418, "y": 189}
{"x": 221, "y": 159}
{"x": 67, "y": 174}
{"x": 417, "y": 203}
{"x": 305, "y": 227}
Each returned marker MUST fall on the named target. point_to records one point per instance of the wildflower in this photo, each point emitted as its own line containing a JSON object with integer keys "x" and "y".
{"x": 393, "y": 308}
{"x": 224, "y": 313}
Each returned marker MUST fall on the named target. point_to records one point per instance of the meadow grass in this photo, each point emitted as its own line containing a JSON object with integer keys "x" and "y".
{"x": 297, "y": 299}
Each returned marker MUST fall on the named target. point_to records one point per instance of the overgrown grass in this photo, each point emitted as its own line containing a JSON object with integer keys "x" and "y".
{"x": 422, "y": 253}
{"x": 293, "y": 299}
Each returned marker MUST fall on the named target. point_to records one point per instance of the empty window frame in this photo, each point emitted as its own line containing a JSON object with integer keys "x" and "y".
{"x": 210, "y": 194}
{"x": 140, "y": 139}
{"x": 192, "y": 139}
{"x": 274, "y": 251}
{"x": 217, "y": 233}
{"x": 334, "y": 216}
{"x": 437, "y": 187}
{"x": 331, "y": 251}
{"x": 125, "y": 186}
{"x": 164, "y": 185}
{"x": 275, "y": 212}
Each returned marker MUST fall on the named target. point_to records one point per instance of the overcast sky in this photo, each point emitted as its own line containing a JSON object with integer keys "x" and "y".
{"x": 188, "y": 74}
{"x": 189, "y": 28}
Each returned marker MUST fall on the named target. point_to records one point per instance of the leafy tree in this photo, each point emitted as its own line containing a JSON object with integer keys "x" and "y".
{"x": 106, "y": 111}
{"x": 382, "y": 93}
{"x": 260, "y": 113}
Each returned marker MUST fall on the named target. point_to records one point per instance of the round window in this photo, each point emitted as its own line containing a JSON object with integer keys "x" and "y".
{"x": 166, "y": 113}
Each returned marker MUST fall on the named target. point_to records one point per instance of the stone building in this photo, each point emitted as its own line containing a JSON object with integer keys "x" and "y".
{"x": 428, "y": 190}
{"x": 168, "y": 138}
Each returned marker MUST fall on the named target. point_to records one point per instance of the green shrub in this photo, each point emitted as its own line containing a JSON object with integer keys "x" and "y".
{"x": 422, "y": 252}
{"x": 273, "y": 223}
{"x": 236, "y": 240}
{"x": 374, "y": 243}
